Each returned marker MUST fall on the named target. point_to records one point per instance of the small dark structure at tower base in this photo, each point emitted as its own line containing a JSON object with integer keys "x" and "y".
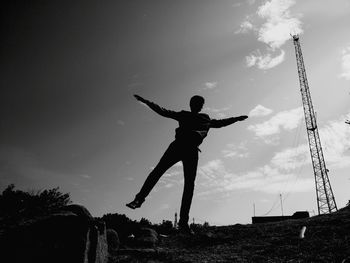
{"x": 267, "y": 219}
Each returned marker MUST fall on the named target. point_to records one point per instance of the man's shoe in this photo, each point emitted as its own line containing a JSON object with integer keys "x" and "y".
{"x": 134, "y": 204}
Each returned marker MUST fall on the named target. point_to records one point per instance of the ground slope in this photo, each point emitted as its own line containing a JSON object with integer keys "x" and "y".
{"x": 327, "y": 239}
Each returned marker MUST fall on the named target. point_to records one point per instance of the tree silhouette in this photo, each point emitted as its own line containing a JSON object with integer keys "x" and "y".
{"x": 18, "y": 204}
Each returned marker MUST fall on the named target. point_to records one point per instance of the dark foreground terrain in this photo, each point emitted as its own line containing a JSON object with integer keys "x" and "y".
{"x": 327, "y": 239}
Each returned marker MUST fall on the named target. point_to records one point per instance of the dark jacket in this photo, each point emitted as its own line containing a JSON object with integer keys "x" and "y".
{"x": 193, "y": 127}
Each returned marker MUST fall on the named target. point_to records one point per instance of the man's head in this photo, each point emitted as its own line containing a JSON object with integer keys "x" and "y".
{"x": 196, "y": 103}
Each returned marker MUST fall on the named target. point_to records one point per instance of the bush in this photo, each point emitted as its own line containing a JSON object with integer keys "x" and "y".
{"x": 17, "y": 204}
{"x": 165, "y": 228}
{"x": 121, "y": 224}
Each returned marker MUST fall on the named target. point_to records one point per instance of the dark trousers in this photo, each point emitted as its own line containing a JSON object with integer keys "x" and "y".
{"x": 176, "y": 152}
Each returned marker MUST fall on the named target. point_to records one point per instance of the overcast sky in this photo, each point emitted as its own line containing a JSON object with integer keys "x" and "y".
{"x": 68, "y": 117}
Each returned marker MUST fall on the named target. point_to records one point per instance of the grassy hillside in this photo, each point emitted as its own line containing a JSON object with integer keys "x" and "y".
{"x": 327, "y": 239}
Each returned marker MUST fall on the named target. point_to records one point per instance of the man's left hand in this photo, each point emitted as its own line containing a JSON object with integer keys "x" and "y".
{"x": 242, "y": 118}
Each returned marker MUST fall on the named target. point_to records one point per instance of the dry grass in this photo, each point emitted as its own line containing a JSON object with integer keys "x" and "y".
{"x": 327, "y": 239}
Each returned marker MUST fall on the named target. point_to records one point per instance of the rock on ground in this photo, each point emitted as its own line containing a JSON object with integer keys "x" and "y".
{"x": 70, "y": 235}
{"x": 113, "y": 240}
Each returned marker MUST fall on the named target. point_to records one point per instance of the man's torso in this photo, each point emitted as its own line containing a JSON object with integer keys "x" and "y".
{"x": 193, "y": 127}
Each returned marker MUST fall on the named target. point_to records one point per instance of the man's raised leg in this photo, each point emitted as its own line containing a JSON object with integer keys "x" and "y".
{"x": 170, "y": 157}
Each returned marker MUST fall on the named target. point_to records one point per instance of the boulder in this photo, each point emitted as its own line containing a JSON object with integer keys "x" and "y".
{"x": 47, "y": 239}
{"x": 97, "y": 246}
{"x": 80, "y": 211}
{"x": 112, "y": 240}
{"x": 70, "y": 236}
{"x": 146, "y": 237}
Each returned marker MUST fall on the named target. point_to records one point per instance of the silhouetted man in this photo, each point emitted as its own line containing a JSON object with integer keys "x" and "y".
{"x": 193, "y": 128}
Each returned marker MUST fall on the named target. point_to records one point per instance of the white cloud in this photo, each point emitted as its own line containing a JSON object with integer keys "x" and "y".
{"x": 272, "y": 181}
{"x": 239, "y": 151}
{"x": 172, "y": 177}
{"x": 268, "y": 62}
{"x": 211, "y": 167}
{"x": 220, "y": 113}
{"x": 279, "y": 22}
{"x": 282, "y": 173}
{"x": 335, "y": 139}
{"x": 178, "y": 165}
{"x": 210, "y": 85}
{"x": 245, "y": 27}
{"x": 284, "y": 120}
{"x": 265, "y": 61}
{"x": 299, "y": 185}
{"x": 172, "y": 173}
{"x": 251, "y": 60}
{"x": 232, "y": 153}
{"x": 216, "y": 179}
{"x": 260, "y": 110}
{"x": 346, "y": 63}
{"x": 292, "y": 158}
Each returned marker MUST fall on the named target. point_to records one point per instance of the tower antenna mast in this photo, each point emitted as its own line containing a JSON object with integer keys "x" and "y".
{"x": 325, "y": 198}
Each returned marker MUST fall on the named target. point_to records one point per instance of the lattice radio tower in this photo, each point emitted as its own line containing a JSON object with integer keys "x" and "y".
{"x": 325, "y": 198}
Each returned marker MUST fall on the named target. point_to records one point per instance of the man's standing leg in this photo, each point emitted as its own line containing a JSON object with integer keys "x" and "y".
{"x": 190, "y": 162}
{"x": 169, "y": 158}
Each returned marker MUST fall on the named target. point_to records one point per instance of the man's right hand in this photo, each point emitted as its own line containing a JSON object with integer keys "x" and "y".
{"x": 139, "y": 98}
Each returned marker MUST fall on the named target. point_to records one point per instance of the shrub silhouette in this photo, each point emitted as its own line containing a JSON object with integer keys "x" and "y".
{"x": 18, "y": 204}
{"x": 166, "y": 227}
{"x": 123, "y": 225}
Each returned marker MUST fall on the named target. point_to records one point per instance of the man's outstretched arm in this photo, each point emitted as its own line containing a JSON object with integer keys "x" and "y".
{"x": 161, "y": 111}
{"x": 226, "y": 122}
